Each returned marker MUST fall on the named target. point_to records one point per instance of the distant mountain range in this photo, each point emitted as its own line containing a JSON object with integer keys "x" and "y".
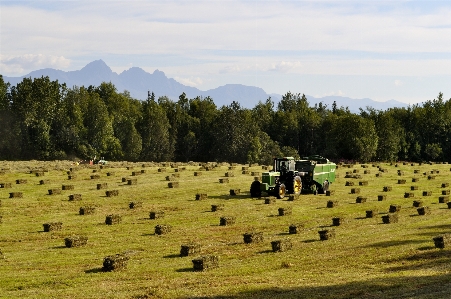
{"x": 138, "y": 82}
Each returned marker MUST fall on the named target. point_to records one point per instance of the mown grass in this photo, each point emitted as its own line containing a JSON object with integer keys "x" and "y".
{"x": 366, "y": 259}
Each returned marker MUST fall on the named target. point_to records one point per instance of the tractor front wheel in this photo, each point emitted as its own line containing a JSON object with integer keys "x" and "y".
{"x": 255, "y": 189}
{"x": 280, "y": 191}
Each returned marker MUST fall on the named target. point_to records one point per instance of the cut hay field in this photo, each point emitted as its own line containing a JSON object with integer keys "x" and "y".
{"x": 363, "y": 258}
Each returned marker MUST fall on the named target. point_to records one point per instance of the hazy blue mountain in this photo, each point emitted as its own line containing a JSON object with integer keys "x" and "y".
{"x": 138, "y": 82}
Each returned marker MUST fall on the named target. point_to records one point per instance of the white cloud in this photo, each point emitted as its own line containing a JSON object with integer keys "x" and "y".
{"x": 194, "y": 82}
{"x": 29, "y": 62}
{"x": 284, "y": 66}
{"x": 398, "y": 82}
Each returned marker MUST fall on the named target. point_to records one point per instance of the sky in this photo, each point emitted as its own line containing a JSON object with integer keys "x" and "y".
{"x": 380, "y": 50}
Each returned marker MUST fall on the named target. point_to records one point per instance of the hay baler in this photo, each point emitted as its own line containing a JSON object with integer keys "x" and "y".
{"x": 317, "y": 173}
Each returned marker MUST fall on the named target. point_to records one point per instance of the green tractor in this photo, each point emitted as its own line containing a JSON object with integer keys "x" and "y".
{"x": 282, "y": 180}
{"x": 289, "y": 176}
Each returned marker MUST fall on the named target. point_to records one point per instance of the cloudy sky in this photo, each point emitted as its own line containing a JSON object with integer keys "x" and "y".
{"x": 360, "y": 49}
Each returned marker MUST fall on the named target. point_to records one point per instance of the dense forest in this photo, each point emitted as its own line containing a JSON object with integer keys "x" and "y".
{"x": 45, "y": 120}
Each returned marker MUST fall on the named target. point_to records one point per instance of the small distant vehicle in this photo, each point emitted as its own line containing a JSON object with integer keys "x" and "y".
{"x": 102, "y": 161}
{"x": 289, "y": 176}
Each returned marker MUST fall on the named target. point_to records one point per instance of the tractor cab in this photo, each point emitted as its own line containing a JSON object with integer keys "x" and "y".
{"x": 284, "y": 165}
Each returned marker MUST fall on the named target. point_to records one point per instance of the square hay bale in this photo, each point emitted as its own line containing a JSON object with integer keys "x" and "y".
{"x": 111, "y": 193}
{"x": 39, "y": 173}
{"x": 74, "y": 197}
{"x": 95, "y": 176}
{"x": 162, "y": 229}
{"x": 170, "y": 178}
{"x": 156, "y": 214}
{"x": 162, "y": 169}
{"x": 205, "y": 262}
{"x": 378, "y": 175}
{"x": 110, "y": 173}
{"x": 367, "y": 172}
{"x": 442, "y": 241}
{"x": 102, "y": 186}
{"x": 264, "y": 167}
{"x": 409, "y": 194}
{"x": 223, "y": 180}
{"x": 400, "y": 172}
{"x": 330, "y": 192}
{"x": 337, "y": 221}
{"x": 326, "y": 234}
{"x": 295, "y": 228}
{"x": 229, "y": 174}
{"x": 124, "y": 180}
{"x": 427, "y": 193}
{"x": 394, "y": 208}
{"x": 245, "y": 172}
{"x": 371, "y": 213}
{"x": 443, "y": 199}
{"x": 115, "y": 262}
{"x": 113, "y": 219}
{"x": 132, "y": 182}
{"x": 364, "y": 166}
{"x": 197, "y": 173}
{"x": 332, "y": 203}
{"x": 129, "y": 167}
{"x": 234, "y": 192}
{"x": 21, "y": 181}
{"x": 413, "y": 188}
{"x": 270, "y": 200}
{"x": 381, "y": 197}
{"x": 44, "y": 182}
{"x": 423, "y": 211}
{"x": 201, "y": 196}
{"x": 135, "y": 204}
{"x": 355, "y": 171}
{"x": 355, "y": 190}
{"x": 227, "y": 220}
{"x": 190, "y": 249}
{"x": 293, "y": 197}
{"x": 445, "y": 185}
{"x": 87, "y": 210}
{"x": 431, "y": 177}
{"x": 173, "y": 184}
{"x": 387, "y": 188}
{"x": 245, "y": 168}
{"x": 5, "y": 185}
{"x": 75, "y": 241}
{"x": 255, "y": 173}
{"x": 349, "y": 183}
{"x": 281, "y": 245}
{"x": 390, "y": 218}
{"x": 136, "y": 173}
{"x": 285, "y": 211}
{"x": 416, "y": 171}
{"x": 417, "y": 203}
{"x": 52, "y": 226}
{"x": 360, "y": 199}
{"x": 15, "y": 195}
{"x": 259, "y": 178}
{"x": 232, "y": 167}
{"x": 68, "y": 187}
{"x": 401, "y": 181}
{"x": 218, "y": 207}
{"x": 445, "y": 192}
{"x": 253, "y": 237}
{"x": 54, "y": 191}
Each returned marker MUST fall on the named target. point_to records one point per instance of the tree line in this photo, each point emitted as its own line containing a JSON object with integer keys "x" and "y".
{"x": 45, "y": 120}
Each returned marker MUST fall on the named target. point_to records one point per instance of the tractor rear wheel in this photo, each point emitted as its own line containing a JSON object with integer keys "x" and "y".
{"x": 297, "y": 185}
{"x": 255, "y": 189}
{"x": 280, "y": 191}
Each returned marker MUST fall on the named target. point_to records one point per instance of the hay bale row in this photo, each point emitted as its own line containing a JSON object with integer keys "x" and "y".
{"x": 205, "y": 262}
{"x": 285, "y": 211}
{"x": 87, "y": 210}
{"x": 190, "y": 249}
{"x": 113, "y": 219}
{"x": 54, "y": 191}
{"x": 253, "y": 237}
{"x": 16, "y": 195}
{"x": 162, "y": 229}
{"x": 234, "y": 192}
{"x": 52, "y": 226}
{"x": 74, "y": 197}
{"x": 281, "y": 245}
{"x": 326, "y": 234}
{"x": 75, "y": 241}
{"x": 115, "y": 262}
{"x": 218, "y": 207}
{"x": 227, "y": 220}
{"x": 135, "y": 204}
{"x": 102, "y": 186}
{"x": 442, "y": 241}
{"x": 156, "y": 214}
{"x": 111, "y": 193}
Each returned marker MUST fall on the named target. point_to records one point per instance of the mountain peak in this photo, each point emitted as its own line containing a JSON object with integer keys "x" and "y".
{"x": 97, "y": 65}
{"x": 159, "y": 73}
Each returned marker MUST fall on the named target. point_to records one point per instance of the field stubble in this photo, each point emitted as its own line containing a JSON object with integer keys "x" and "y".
{"x": 365, "y": 259}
